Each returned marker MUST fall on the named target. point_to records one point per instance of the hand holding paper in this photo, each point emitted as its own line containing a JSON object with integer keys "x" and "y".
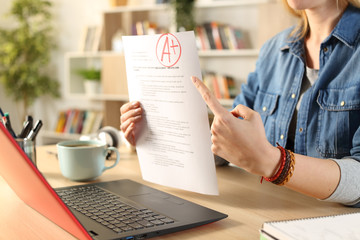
{"x": 173, "y": 137}
{"x": 130, "y": 115}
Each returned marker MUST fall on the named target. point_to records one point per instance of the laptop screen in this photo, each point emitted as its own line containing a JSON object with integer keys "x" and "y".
{"x": 30, "y": 186}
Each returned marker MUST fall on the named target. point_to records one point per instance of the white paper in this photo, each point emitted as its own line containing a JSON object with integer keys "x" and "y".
{"x": 173, "y": 141}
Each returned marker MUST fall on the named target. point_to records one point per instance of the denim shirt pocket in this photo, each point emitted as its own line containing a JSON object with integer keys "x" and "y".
{"x": 338, "y": 120}
{"x": 265, "y": 104}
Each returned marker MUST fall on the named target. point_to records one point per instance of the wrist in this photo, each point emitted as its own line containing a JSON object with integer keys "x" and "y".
{"x": 273, "y": 162}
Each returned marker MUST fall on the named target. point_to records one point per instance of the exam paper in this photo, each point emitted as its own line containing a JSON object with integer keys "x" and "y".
{"x": 173, "y": 139}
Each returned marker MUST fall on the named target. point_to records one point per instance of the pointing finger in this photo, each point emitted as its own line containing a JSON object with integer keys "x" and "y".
{"x": 208, "y": 97}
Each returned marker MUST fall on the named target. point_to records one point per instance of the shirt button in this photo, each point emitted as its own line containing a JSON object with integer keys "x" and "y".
{"x": 293, "y": 95}
{"x": 342, "y": 103}
{"x": 281, "y": 137}
{"x": 264, "y": 109}
{"x": 325, "y": 49}
{"x": 300, "y": 129}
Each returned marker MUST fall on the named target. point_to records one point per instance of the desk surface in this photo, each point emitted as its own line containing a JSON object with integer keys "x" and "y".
{"x": 247, "y": 202}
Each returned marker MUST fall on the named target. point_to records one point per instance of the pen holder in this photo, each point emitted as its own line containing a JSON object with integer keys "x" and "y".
{"x": 28, "y": 146}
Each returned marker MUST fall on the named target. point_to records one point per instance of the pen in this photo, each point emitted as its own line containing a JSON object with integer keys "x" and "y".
{"x": 7, "y": 123}
{"x": 29, "y": 119}
{"x": 2, "y": 116}
{"x": 25, "y": 130}
{"x": 32, "y": 134}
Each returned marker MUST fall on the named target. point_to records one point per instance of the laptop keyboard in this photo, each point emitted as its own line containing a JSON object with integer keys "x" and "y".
{"x": 107, "y": 209}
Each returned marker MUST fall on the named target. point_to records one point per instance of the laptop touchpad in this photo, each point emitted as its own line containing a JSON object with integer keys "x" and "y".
{"x": 156, "y": 199}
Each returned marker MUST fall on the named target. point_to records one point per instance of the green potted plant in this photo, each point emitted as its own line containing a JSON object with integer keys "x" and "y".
{"x": 92, "y": 79}
{"x": 25, "y": 53}
{"x": 184, "y": 14}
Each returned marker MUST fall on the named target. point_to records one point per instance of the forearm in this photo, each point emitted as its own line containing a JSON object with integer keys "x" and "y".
{"x": 314, "y": 177}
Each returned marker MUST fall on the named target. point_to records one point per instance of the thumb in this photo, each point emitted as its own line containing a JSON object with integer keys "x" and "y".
{"x": 243, "y": 112}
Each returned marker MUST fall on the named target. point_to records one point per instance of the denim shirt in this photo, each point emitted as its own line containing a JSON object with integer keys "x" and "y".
{"x": 328, "y": 121}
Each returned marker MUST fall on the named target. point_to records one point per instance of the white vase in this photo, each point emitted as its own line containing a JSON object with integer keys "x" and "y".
{"x": 92, "y": 87}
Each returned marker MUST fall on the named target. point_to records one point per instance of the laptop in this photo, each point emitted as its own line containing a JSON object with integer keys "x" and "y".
{"x": 121, "y": 209}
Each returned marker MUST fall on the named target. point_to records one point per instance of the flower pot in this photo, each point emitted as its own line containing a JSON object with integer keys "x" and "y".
{"x": 92, "y": 87}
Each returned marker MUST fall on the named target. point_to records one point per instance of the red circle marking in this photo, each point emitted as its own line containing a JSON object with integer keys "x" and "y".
{"x": 174, "y": 56}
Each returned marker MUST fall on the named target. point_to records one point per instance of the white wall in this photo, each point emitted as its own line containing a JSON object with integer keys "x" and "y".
{"x": 5, "y": 103}
{"x": 69, "y": 19}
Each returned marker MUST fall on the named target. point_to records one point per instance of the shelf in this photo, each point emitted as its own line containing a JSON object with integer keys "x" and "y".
{"x": 162, "y": 7}
{"x": 60, "y": 136}
{"x": 229, "y": 53}
{"x": 202, "y": 53}
{"x": 99, "y": 97}
{"x": 97, "y": 54}
{"x": 138, "y": 8}
{"x": 225, "y": 3}
{"x": 110, "y": 97}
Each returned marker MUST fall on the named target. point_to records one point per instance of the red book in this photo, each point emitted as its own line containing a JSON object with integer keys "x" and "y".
{"x": 215, "y": 83}
{"x": 216, "y": 35}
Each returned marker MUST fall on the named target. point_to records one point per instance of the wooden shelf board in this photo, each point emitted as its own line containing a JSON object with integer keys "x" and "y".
{"x": 161, "y": 7}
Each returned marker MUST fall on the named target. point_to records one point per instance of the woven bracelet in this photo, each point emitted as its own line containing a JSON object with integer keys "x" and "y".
{"x": 291, "y": 168}
{"x": 285, "y": 171}
{"x": 280, "y": 169}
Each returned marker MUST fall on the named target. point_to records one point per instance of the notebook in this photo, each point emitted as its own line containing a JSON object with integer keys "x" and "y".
{"x": 155, "y": 212}
{"x": 336, "y": 227}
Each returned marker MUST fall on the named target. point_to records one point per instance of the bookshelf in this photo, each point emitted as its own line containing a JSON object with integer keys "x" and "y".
{"x": 260, "y": 19}
{"x": 242, "y": 14}
{"x": 111, "y": 90}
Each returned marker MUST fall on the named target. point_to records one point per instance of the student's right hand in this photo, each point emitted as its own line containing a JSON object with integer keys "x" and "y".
{"x": 130, "y": 114}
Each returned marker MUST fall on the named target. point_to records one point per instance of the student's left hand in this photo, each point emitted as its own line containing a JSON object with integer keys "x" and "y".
{"x": 240, "y": 141}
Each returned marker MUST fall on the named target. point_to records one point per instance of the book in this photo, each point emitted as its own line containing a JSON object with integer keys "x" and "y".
{"x": 344, "y": 226}
{"x": 239, "y": 36}
{"x": 223, "y": 37}
{"x": 146, "y": 28}
{"x": 89, "y": 122}
{"x": 75, "y": 121}
{"x": 216, "y": 86}
{"x": 97, "y": 122}
{"x": 222, "y": 86}
{"x": 81, "y": 119}
{"x": 209, "y": 33}
{"x": 60, "y": 125}
{"x": 69, "y": 119}
{"x": 90, "y": 40}
{"x": 231, "y": 85}
{"x": 200, "y": 33}
{"x": 230, "y": 38}
{"x": 216, "y": 35}
{"x": 207, "y": 79}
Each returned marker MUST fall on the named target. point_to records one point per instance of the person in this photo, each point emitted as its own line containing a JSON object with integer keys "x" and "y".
{"x": 304, "y": 95}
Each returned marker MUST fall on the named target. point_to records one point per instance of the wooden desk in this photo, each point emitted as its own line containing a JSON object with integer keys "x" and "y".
{"x": 247, "y": 202}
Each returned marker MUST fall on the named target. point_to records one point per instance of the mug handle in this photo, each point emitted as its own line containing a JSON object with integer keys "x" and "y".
{"x": 114, "y": 149}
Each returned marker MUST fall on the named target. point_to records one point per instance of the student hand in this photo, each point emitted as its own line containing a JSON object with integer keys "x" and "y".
{"x": 131, "y": 113}
{"x": 241, "y": 141}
